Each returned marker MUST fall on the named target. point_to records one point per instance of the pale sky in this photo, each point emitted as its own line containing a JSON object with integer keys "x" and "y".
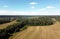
{"x": 29, "y": 7}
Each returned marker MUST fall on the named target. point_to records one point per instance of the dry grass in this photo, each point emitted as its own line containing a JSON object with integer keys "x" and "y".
{"x": 2, "y": 26}
{"x": 39, "y": 32}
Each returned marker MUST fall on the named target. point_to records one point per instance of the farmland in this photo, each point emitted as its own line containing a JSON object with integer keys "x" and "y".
{"x": 2, "y": 26}
{"x": 39, "y": 32}
{"x": 31, "y": 27}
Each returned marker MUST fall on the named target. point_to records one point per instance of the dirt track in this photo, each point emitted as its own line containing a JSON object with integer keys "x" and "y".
{"x": 39, "y": 32}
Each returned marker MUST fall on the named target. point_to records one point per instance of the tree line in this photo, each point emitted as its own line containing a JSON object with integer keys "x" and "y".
{"x": 7, "y": 32}
{"x": 6, "y": 20}
{"x": 39, "y": 21}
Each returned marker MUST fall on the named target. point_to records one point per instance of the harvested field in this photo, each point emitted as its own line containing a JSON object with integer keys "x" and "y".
{"x": 2, "y": 26}
{"x": 39, "y": 32}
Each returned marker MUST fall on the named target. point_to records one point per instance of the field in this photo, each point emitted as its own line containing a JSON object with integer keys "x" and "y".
{"x": 2, "y": 26}
{"x": 30, "y": 27}
{"x": 39, "y": 32}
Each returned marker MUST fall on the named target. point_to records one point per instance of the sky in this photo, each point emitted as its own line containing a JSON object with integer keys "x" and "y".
{"x": 29, "y": 7}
